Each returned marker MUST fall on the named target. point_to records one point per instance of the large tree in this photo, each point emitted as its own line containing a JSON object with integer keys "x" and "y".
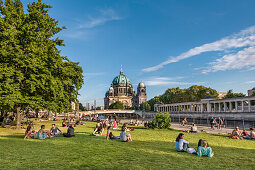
{"x": 33, "y": 74}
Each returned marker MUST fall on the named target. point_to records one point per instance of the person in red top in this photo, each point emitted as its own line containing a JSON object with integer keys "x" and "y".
{"x": 245, "y": 133}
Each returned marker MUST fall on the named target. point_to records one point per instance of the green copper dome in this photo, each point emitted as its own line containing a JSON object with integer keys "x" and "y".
{"x": 141, "y": 84}
{"x": 121, "y": 79}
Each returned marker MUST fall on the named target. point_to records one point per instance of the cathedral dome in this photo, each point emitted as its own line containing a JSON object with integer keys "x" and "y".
{"x": 141, "y": 84}
{"x": 121, "y": 79}
{"x": 253, "y": 88}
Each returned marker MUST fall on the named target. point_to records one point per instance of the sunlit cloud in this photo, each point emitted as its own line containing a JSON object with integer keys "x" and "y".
{"x": 242, "y": 42}
{"x": 163, "y": 81}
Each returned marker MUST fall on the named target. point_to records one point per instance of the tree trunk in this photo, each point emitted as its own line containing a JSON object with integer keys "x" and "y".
{"x": 18, "y": 118}
{"x": 77, "y": 111}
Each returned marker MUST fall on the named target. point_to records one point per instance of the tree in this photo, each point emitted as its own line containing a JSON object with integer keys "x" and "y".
{"x": 145, "y": 106}
{"x": 81, "y": 107}
{"x": 33, "y": 74}
{"x": 154, "y": 101}
{"x": 161, "y": 121}
{"x": 117, "y": 105}
{"x": 231, "y": 94}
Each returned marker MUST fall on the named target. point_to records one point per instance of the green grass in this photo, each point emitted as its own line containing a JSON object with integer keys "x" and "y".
{"x": 151, "y": 149}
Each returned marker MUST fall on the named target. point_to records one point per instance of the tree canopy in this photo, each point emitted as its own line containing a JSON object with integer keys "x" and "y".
{"x": 117, "y": 105}
{"x": 33, "y": 74}
{"x": 145, "y": 106}
{"x": 231, "y": 94}
{"x": 178, "y": 95}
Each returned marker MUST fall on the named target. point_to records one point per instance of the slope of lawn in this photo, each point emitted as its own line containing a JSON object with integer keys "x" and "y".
{"x": 151, "y": 149}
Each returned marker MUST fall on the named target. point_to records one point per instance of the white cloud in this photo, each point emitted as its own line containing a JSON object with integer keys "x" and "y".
{"x": 103, "y": 17}
{"x": 245, "y": 38}
{"x": 250, "y": 82}
{"x": 157, "y": 81}
{"x": 242, "y": 59}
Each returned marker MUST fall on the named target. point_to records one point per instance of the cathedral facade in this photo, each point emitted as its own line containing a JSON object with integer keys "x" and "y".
{"x": 122, "y": 90}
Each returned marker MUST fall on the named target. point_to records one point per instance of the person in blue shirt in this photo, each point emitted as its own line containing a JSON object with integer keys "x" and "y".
{"x": 54, "y": 130}
{"x": 204, "y": 149}
{"x": 181, "y": 144}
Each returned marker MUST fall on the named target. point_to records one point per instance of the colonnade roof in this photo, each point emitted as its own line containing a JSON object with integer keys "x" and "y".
{"x": 213, "y": 101}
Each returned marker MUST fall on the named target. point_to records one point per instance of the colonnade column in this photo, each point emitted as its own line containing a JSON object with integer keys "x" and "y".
{"x": 225, "y": 107}
{"x": 249, "y": 106}
{"x": 242, "y": 106}
{"x": 230, "y": 106}
{"x": 236, "y": 106}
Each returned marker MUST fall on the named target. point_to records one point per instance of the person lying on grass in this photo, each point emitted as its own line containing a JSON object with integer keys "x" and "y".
{"x": 43, "y": 134}
{"x": 70, "y": 131}
{"x": 124, "y": 136}
{"x": 55, "y": 130}
{"x": 204, "y": 149}
{"x": 181, "y": 144}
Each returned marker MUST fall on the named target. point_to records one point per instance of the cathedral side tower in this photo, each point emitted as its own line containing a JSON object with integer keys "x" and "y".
{"x": 141, "y": 94}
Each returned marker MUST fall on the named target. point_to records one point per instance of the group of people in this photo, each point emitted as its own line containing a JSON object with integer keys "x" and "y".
{"x": 203, "y": 148}
{"x": 43, "y": 134}
{"x": 104, "y": 124}
{"x": 237, "y": 134}
{"x": 216, "y": 123}
{"x": 108, "y": 125}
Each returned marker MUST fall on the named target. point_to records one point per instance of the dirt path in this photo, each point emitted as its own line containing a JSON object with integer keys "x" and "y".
{"x": 206, "y": 129}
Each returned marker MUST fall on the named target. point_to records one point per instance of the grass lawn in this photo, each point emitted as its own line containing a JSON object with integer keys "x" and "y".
{"x": 150, "y": 149}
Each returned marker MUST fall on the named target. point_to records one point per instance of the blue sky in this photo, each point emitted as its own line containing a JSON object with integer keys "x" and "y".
{"x": 164, "y": 43}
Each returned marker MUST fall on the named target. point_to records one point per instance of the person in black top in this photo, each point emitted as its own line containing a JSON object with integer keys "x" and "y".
{"x": 70, "y": 131}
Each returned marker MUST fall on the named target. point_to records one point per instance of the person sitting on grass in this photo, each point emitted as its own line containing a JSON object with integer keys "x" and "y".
{"x": 64, "y": 123}
{"x": 245, "y": 133}
{"x": 124, "y": 136}
{"x": 252, "y": 135}
{"x": 193, "y": 128}
{"x": 43, "y": 134}
{"x": 181, "y": 144}
{"x": 28, "y": 133}
{"x": 115, "y": 125}
{"x": 54, "y": 130}
{"x": 236, "y": 134}
{"x": 204, "y": 149}
{"x": 98, "y": 128}
{"x": 70, "y": 131}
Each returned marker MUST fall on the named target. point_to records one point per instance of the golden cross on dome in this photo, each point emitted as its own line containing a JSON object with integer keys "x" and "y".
{"x": 121, "y": 71}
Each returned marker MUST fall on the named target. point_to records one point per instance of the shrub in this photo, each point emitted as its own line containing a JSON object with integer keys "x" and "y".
{"x": 161, "y": 121}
